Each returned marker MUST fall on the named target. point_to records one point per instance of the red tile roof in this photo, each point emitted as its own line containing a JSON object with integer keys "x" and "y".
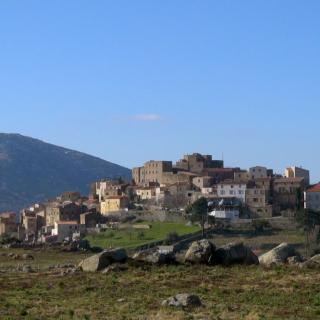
{"x": 67, "y": 222}
{"x": 315, "y": 188}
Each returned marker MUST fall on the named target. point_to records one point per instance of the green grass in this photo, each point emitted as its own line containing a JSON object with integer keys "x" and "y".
{"x": 264, "y": 241}
{"x": 239, "y": 292}
{"x": 131, "y": 238}
{"x": 43, "y": 258}
{"x": 248, "y": 293}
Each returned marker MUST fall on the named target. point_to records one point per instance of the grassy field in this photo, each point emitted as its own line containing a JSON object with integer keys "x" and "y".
{"x": 263, "y": 241}
{"x": 227, "y": 293}
{"x": 42, "y": 258}
{"x": 239, "y": 292}
{"x": 131, "y": 238}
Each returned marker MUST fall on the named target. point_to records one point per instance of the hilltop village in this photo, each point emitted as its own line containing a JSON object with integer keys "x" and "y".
{"x": 161, "y": 186}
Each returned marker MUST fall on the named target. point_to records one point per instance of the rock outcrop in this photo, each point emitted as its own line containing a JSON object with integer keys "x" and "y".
{"x": 200, "y": 252}
{"x": 313, "y": 262}
{"x": 234, "y": 253}
{"x": 102, "y": 260}
{"x": 278, "y": 255}
{"x": 183, "y": 300}
{"x": 154, "y": 256}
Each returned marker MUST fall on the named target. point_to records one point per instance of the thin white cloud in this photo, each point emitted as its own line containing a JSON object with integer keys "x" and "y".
{"x": 147, "y": 117}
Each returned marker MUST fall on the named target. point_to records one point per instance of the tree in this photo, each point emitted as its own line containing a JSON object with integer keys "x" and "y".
{"x": 310, "y": 222}
{"x": 199, "y": 211}
{"x": 171, "y": 238}
{"x": 260, "y": 225}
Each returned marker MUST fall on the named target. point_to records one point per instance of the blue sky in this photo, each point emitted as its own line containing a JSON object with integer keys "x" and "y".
{"x": 130, "y": 81}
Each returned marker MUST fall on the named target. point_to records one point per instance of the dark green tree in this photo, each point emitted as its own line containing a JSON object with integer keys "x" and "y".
{"x": 310, "y": 222}
{"x": 199, "y": 211}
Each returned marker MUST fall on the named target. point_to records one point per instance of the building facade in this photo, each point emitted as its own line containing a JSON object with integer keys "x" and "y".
{"x": 114, "y": 204}
{"x": 295, "y": 172}
{"x": 232, "y": 189}
{"x": 312, "y": 198}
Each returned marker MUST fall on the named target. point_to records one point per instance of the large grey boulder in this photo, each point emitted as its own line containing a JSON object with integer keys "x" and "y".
{"x": 200, "y": 251}
{"x": 154, "y": 256}
{"x": 313, "y": 262}
{"x": 102, "y": 260}
{"x": 183, "y": 300}
{"x": 234, "y": 253}
{"x": 278, "y": 255}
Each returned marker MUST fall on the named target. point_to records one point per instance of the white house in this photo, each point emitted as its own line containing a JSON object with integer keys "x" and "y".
{"x": 233, "y": 189}
{"x": 66, "y": 229}
{"x": 225, "y": 213}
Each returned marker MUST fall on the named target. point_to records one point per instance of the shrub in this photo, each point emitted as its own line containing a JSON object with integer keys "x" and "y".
{"x": 171, "y": 238}
{"x": 140, "y": 235}
{"x": 260, "y": 225}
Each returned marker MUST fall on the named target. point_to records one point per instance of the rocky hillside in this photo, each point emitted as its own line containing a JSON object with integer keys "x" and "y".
{"x": 32, "y": 170}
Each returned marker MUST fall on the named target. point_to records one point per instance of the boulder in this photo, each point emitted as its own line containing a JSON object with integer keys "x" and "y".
{"x": 115, "y": 268}
{"x": 234, "y": 253}
{"x": 27, "y": 256}
{"x": 27, "y": 269}
{"x": 294, "y": 260}
{"x": 313, "y": 262}
{"x": 278, "y": 255}
{"x": 183, "y": 300}
{"x": 102, "y": 260}
{"x": 154, "y": 256}
{"x": 200, "y": 252}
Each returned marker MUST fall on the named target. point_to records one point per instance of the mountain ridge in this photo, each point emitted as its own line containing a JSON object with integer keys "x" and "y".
{"x": 32, "y": 170}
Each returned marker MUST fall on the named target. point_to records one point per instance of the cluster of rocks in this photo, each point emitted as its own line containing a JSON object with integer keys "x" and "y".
{"x": 199, "y": 252}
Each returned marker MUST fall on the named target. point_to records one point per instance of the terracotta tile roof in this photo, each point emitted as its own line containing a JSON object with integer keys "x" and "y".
{"x": 67, "y": 222}
{"x": 315, "y": 188}
{"x": 282, "y": 180}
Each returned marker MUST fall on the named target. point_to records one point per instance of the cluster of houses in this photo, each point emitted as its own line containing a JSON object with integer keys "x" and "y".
{"x": 66, "y": 216}
{"x": 232, "y": 193}
{"x": 256, "y": 192}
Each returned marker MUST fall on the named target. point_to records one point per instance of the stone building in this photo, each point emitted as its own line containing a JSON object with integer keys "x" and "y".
{"x": 90, "y": 219}
{"x": 8, "y": 223}
{"x": 67, "y": 211}
{"x": 152, "y": 171}
{"x": 70, "y": 196}
{"x": 169, "y": 178}
{"x": 220, "y": 174}
{"x": 108, "y": 188}
{"x": 146, "y": 193}
{"x": 258, "y": 202}
{"x": 288, "y": 192}
{"x": 197, "y": 162}
{"x": 114, "y": 204}
{"x": 202, "y": 182}
{"x": 258, "y": 172}
{"x": 295, "y": 172}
